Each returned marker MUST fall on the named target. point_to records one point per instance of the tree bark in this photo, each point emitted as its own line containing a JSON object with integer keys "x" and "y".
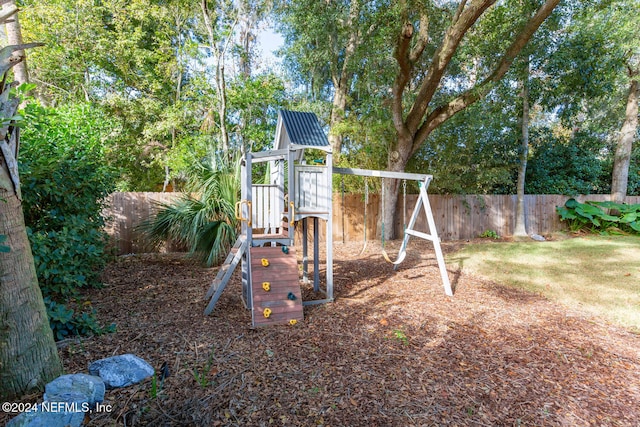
{"x": 620, "y": 176}
{"x": 14, "y": 37}
{"x": 520, "y": 226}
{"x": 28, "y": 354}
{"x": 338, "y": 108}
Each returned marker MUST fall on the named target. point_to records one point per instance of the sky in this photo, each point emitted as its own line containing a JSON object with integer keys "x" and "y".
{"x": 268, "y": 42}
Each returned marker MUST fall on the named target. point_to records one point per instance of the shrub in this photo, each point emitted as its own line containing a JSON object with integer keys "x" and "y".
{"x": 69, "y": 258}
{"x": 592, "y": 216}
{"x": 65, "y": 182}
{"x": 206, "y": 224}
{"x": 562, "y": 165}
{"x": 489, "y": 234}
{"x": 66, "y": 322}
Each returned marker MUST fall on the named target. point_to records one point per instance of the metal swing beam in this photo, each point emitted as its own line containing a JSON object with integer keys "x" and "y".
{"x": 422, "y": 202}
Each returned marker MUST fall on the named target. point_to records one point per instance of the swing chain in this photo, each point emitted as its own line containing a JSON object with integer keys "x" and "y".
{"x": 404, "y": 204}
{"x": 366, "y": 190}
{"x": 366, "y": 201}
{"x": 382, "y": 205}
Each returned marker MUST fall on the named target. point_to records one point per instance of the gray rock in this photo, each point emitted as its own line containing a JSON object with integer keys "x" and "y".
{"x": 50, "y": 415}
{"x": 538, "y": 237}
{"x": 79, "y": 388}
{"x": 121, "y": 371}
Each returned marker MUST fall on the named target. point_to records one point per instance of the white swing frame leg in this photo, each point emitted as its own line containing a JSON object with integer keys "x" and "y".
{"x": 423, "y": 201}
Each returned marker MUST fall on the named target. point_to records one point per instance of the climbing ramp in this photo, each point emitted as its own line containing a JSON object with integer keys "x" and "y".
{"x": 275, "y": 288}
{"x": 225, "y": 272}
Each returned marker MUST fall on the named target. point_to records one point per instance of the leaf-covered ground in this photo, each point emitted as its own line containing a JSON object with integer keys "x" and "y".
{"x": 392, "y": 350}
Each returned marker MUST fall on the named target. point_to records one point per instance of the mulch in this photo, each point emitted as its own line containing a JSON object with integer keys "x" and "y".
{"x": 392, "y": 350}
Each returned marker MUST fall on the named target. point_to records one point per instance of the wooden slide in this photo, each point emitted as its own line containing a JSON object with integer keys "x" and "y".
{"x": 275, "y": 286}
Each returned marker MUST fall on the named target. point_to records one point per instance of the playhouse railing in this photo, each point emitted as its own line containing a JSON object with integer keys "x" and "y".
{"x": 268, "y": 206}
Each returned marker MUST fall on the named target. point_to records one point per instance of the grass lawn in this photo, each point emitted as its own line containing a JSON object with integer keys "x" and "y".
{"x": 598, "y": 274}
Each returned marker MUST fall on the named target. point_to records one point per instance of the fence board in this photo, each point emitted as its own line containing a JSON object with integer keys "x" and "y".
{"x": 124, "y": 214}
{"x": 457, "y": 217}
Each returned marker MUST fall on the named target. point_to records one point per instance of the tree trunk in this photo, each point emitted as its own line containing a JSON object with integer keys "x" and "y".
{"x": 28, "y": 354}
{"x": 337, "y": 115}
{"x": 520, "y": 227}
{"x": 14, "y": 37}
{"x": 342, "y": 78}
{"x": 222, "y": 105}
{"x": 221, "y": 85}
{"x": 620, "y": 176}
{"x": 388, "y": 209}
{"x": 396, "y": 162}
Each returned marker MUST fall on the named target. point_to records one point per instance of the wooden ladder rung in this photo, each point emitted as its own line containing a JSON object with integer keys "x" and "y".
{"x": 225, "y": 272}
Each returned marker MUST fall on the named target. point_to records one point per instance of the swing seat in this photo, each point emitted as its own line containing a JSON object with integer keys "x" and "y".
{"x": 401, "y": 256}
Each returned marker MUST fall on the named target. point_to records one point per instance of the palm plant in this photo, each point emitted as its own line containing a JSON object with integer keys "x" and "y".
{"x": 203, "y": 218}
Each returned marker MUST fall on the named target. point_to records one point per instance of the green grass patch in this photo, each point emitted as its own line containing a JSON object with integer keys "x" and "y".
{"x": 599, "y": 274}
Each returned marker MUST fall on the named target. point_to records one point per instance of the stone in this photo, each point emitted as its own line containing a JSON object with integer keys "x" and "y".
{"x": 121, "y": 371}
{"x": 78, "y": 388}
{"x": 538, "y": 237}
{"x": 50, "y": 415}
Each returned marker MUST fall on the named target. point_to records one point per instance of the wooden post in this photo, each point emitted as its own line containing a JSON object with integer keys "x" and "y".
{"x": 246, "y": 212}
{"x": 316, "y": 255}
{"x": 329, "y": 229}
{"x": 305, "y": 252}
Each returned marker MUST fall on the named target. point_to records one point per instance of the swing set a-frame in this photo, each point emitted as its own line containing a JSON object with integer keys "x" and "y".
{"x": 295, "y": 194}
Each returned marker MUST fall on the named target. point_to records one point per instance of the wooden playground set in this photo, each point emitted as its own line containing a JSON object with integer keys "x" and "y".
{"x": 297, "y": 193}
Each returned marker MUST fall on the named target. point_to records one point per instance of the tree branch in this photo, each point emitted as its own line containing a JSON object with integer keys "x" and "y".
{"x": 209, "y": 26}
{"x": 7, "y": 13}
{"x": 402, "y": 78}
{"x": 445, "y": 112}
{"x": 442, "y": 57}
{"x": 423, "y": 38}
{"x": 8, "y": 58}
{"x": 459, "y": 11}
{"x": 350, "y": 49}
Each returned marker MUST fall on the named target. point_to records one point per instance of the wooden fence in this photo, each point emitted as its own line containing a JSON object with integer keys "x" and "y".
{"x": 457, "y": 217}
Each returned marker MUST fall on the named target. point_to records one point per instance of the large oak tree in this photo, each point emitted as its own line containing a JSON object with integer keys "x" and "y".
{"x": 416, "y": 107}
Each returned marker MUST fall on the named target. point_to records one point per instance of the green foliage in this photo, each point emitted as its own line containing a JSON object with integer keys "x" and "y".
{"x": 143, "y": 63}
{"x": 68, "y": 259}
{"x": 475, "y": 152}
{"x": 65, "y": 322}
{"x": 593, "y": 216}
{"x": 205, "y": 223}
{"x": 590, "y": 69}
{"x": 201, "y": 375}
{"x": 401, "y": 336}
{"x": 489, "y": 234}
{"x": 253, "y": 112}
{"x": 129, "y": 58}
{"x": 153, "y": 392}
{"x": 65, "y": 182}
{"x": 566, "y": 165}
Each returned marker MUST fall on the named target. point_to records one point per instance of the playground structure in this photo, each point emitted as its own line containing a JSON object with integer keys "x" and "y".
{"x": 297, "y": 193}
